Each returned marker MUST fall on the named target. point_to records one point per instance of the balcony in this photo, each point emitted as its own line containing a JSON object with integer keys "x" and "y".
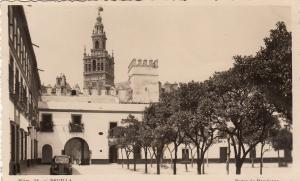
{"x": 46, "y": 126}
{"x": 76, "y": 127}
{"x": 46, "y": 129}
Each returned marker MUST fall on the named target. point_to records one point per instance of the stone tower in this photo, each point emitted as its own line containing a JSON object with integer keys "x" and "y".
{"x": 98, "y": 73}
{"x": 143, "y": 80}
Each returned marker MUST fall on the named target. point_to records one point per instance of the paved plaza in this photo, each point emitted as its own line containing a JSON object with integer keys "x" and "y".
{"x": 211, "y": 169}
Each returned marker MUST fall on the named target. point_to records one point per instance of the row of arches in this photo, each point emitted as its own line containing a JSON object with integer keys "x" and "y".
{"x": 94, "y": 66}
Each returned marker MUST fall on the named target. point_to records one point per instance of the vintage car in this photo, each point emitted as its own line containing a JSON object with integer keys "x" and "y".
{"x": 61, "y": 165}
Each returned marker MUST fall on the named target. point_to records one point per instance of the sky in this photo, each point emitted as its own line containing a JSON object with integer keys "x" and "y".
{"x": 190, "y": 42}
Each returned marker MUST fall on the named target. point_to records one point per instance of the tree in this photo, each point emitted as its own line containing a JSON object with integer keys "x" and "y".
{"x": 282, "y": 139}
{"x": 177, "y": 133}
{"x": 146, "y": 139}
{"x": 131, "y": 136}
{"x": 243, "y": 112}
{"x": 156, "y": 117}
{"x": 271, "y": 69}
{"x": 197, "y": 117}
{"x": 117, "y": 136}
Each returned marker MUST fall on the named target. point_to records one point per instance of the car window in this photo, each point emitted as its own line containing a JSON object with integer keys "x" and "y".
{"x": 62, "y": 160}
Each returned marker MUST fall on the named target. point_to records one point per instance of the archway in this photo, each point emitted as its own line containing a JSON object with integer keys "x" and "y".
{"x": 78, "y": 150}
{"x": 46, "y": 154}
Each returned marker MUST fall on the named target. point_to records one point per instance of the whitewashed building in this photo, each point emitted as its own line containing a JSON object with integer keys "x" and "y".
{"x": 78, "y": 124}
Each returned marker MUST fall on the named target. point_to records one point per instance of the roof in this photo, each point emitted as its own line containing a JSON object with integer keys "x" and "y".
{"x": 88, "y": 104}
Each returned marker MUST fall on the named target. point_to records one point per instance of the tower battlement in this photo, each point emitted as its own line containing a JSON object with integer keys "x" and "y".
{"x": 143, "y": 63}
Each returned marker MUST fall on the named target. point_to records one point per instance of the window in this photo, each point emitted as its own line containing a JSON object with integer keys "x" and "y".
{"x": 76, "y": 119}
{"x": 15, "y": 33}
{"x": 89, "y": 67}
{"x": 94, "y": 65}
{"x": 96, "y": 45}
{"x": 102, "y": 66}
{"x": 76, "y": 125}
{"x": 47, "y": 123}
{"x": 18, "y": 44}
{"x": 21, "y": 52}
{"x": 111, "y": 126}
{"x": 21, "y": 89}
{"x": 85, "y": 68}
{"x": 98, "y": 66}
{"x": 11, "y": 74}
{"x": 17, "y": 83}
{"x": 11, "y": 25}
{"x": 94, "y": 84}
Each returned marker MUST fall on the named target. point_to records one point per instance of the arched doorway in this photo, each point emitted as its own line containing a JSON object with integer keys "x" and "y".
{"x": 47, "y": 154}
{"x": 78, "y": 150}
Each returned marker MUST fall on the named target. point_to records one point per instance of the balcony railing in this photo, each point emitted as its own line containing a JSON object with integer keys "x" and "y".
{"x": 76, "y": 127}
{"x": 46, "y": 126}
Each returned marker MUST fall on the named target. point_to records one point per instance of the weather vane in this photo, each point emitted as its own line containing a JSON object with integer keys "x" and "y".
{"x": 99, "y": 10}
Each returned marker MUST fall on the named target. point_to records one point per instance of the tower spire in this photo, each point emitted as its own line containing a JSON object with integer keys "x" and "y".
{"x": 98, "y": 36}
{"x": 100, "y": 9}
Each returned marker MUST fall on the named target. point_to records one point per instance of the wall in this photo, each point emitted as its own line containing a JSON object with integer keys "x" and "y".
{"x": 93, "y": 124}
{"x": 144, "y": 84}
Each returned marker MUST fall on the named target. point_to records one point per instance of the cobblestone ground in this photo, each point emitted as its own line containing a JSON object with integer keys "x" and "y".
{"x": 211, "y": 169}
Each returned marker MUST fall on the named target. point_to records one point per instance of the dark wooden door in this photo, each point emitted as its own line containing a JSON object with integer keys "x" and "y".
{"x": 46, "y": 154}
{"x": 113, "y": 154}
{"x": 223, "y": 154}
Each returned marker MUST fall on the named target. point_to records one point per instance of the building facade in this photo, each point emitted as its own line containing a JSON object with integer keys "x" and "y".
{"x": 80, "y": 125}
{"x": 24, "y": 92}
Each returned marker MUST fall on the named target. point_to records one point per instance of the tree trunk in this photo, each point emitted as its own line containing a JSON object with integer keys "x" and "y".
{"x": 134, "y": 163}
{"x": 175, "y": 160}
{"x": 122, "y": 158}
{"x": 261, "y": 158}
{"x": 203, "y": 165}
{"x": 158, "y": 164}
{"x": 228, "y": 156}
{"x": 278, "y": 158}
{"x": 192, "y": 156}
{"x": 146, "y": 161}
{"x": 198, "y": 161}
{"x": 170, "y": 151}
{"x": 238, "y": 165}
{"x": 186, "y": 159}
{"x": 151, "y": 157}
{"x": 127, "y": 156}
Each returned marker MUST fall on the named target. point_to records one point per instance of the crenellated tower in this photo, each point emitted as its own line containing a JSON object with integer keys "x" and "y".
{"x": 98, "y": 65}
{"x": 143, "y": 80}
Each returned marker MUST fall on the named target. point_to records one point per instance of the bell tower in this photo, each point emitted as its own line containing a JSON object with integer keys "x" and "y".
{"x": 98, "y": 73}
{"x": 98, "y": 35}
